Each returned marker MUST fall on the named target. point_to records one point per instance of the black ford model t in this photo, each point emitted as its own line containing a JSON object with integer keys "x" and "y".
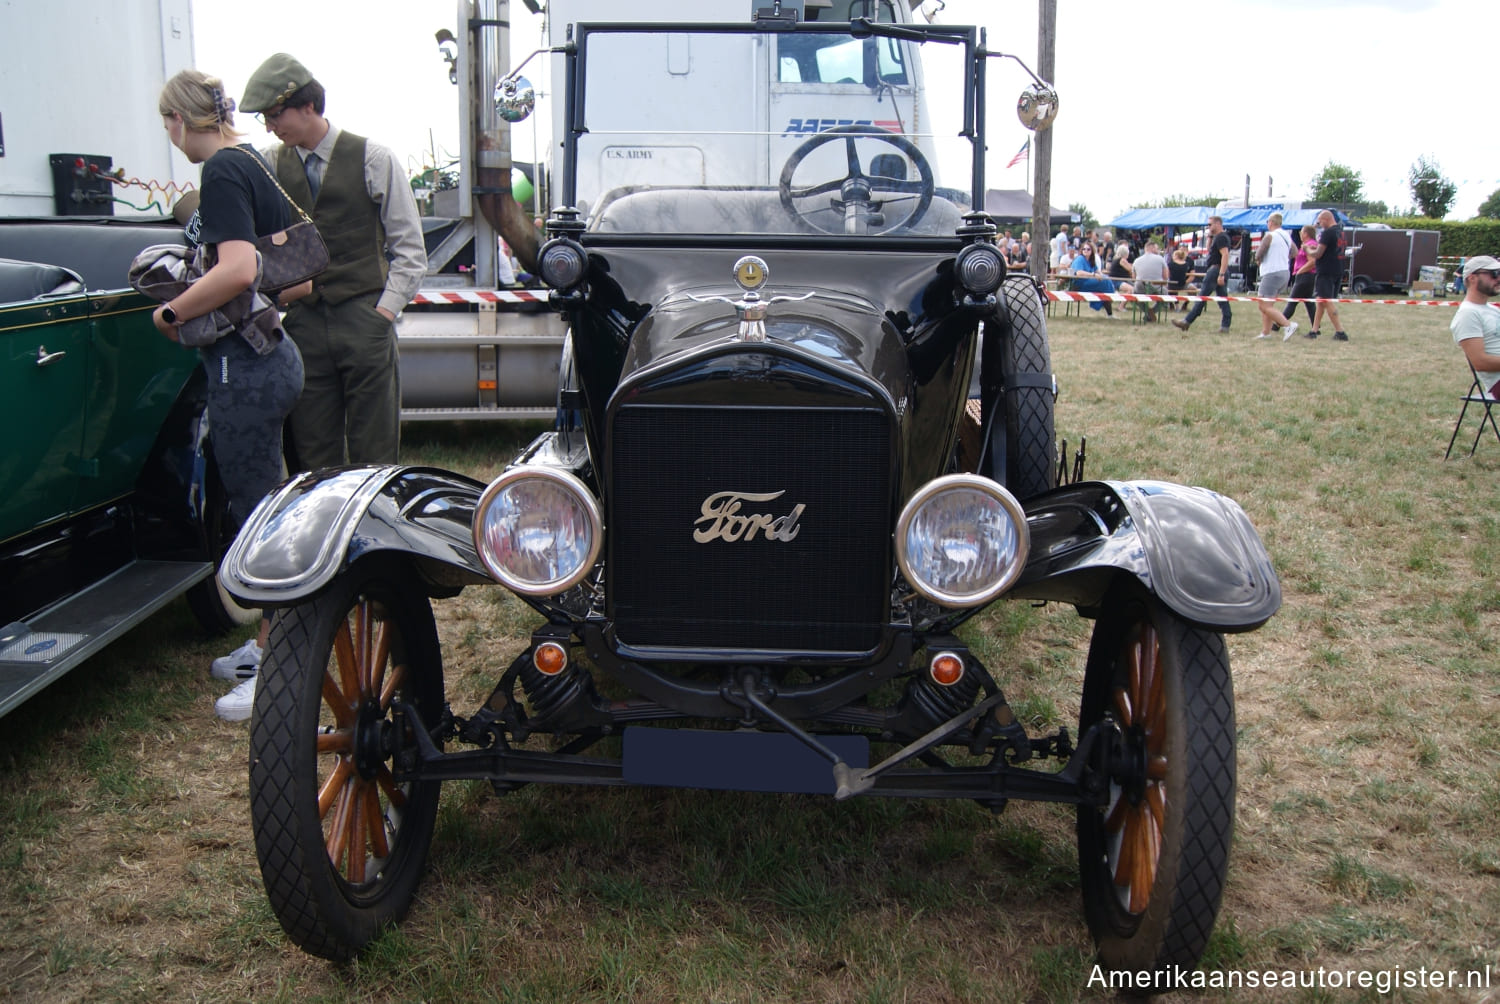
{"x": 759, "y": 524}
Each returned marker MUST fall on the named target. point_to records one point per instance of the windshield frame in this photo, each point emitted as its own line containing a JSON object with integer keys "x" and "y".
{"x": 968, "y": 38}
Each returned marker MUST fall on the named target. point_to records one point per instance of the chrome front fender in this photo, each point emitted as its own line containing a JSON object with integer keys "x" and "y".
{"x": 319, "y": 523}
{"x": 1193, "y": 548}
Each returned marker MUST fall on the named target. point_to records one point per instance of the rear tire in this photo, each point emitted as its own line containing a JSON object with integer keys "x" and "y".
{"x": 341, "y": 845}
{"x": 1154, "y": 861}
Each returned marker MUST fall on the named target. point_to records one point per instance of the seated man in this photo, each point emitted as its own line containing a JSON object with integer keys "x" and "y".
{"x": 1151, "y": 275}
{"x": 1476, "y": 325}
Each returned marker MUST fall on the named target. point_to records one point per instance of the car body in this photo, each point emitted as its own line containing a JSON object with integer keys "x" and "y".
{"x": 113, "y": 508}
{"x": 765, "y": 512}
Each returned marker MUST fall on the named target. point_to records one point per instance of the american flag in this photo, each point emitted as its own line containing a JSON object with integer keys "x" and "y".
{"x": 1021, "y": 154}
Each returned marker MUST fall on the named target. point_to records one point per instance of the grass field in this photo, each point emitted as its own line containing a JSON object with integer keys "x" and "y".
{"x": 1369, "y": 755}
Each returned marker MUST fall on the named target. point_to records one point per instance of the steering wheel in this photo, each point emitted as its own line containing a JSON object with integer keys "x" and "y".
{"x": 855, "y": 210}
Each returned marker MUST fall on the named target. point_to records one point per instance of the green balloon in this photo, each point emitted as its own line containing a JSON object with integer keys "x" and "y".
{"x": 520, "y": 186}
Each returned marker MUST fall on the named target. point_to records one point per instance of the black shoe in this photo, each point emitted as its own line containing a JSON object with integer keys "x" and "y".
{"x": 1311, "y": 334}
{"x": 1339, "y": 336}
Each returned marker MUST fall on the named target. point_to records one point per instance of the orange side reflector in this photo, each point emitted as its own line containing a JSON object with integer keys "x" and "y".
{"x": 549, "y": 658}
{"x": 946, "y": 669}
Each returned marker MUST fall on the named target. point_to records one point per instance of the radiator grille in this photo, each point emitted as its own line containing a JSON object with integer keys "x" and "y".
{"x": 825, "y": 590}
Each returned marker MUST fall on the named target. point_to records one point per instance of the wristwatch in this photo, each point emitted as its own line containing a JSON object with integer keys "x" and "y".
{"x": 168, "y": 314}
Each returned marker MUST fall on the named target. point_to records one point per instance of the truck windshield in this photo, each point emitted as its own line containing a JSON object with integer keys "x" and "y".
{"x": 791, "y": 133}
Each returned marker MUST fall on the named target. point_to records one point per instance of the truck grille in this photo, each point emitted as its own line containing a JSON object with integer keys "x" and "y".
{"x": 825, "y": 590}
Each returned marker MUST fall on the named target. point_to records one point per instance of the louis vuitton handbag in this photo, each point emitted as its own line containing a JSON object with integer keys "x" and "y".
{"x": 289, "y": 256}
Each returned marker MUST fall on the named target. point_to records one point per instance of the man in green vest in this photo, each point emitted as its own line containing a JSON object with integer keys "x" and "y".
{"x": 361, "y": 201}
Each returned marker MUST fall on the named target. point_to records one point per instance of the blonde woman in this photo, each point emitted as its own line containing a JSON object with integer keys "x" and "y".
{"x": 1120, "y": 268}
{"x": 250, "y": 393}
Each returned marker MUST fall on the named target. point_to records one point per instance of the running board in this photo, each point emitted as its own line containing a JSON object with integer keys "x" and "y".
{"x": 35, "y": 652}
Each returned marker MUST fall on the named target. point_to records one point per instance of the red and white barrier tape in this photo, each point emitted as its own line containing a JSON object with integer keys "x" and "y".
{"x": 438, "y": 297}
{"x": 1068, "y": 296}
{"x": 445, "y": 296}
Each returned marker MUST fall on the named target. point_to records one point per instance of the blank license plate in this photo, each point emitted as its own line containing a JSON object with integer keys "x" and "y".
{"x": 736, "y": 761}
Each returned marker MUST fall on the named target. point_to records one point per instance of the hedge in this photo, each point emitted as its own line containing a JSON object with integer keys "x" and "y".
{"x": 1458, "y": 238}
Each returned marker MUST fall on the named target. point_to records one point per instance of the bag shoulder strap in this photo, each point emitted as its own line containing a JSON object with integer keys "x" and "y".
{"x": 289, "y": 200}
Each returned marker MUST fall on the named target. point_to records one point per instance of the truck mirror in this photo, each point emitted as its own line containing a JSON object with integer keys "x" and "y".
{"x": 514, "y": 99}
{"x": 1037, "y": 106}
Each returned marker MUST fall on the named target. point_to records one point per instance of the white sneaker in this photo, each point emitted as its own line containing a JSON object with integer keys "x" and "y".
{"x": 241, "y": 664}
{"x": 1258, "y": 337}
{"x": 1291, "y": 329}
{"x": 235, "y": 706}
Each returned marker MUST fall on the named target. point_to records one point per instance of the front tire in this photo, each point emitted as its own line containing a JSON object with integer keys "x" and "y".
{"x": 1019, "y": 423}
{"x": 341, "y": 845}
{"x": 1153, "y": 862}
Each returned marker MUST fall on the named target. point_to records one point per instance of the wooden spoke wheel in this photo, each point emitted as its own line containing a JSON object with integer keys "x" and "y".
{"x": 341, "y": 843}
{"x": 1153, "y": 861}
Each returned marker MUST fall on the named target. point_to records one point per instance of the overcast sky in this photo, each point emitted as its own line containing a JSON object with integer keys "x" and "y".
{"x": 1156, "y": 99}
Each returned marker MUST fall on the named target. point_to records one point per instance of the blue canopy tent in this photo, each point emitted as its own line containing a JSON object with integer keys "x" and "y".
{"x": 1172, "y": 216}
{"x": 1254, "y": 218}
{"x": 1193, "y": 217}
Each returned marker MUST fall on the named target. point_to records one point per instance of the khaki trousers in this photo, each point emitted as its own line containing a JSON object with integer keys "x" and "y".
{"x": 351, "y": 389}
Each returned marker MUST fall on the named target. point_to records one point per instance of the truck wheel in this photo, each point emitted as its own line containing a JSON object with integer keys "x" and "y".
{"x": 341, "y": 843}
{"x": 1154, "y": 860}
{"x": 1361, "y": 285}
{"x": 1022, "y": 451}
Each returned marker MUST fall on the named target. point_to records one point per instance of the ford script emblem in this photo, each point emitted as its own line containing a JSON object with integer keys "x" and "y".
{"x": 41, "y": 646}
{"x": 721, "y": 513}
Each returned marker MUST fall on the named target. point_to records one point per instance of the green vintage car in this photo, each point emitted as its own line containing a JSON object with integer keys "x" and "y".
{"x": 113, "y": 506}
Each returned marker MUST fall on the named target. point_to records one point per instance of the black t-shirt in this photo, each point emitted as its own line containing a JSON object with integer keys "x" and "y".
{"x": 1177, "y": 271}
{"x": 1329, "y": 262}
{"x": 1220, "y": 243}
{"x": 237, "y": 201}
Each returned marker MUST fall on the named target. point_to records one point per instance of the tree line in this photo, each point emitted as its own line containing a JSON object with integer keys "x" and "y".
{"x": 1342, "y": 186}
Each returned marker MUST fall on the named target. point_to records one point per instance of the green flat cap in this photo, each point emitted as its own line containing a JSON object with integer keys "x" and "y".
{"x": 275, "y": 80}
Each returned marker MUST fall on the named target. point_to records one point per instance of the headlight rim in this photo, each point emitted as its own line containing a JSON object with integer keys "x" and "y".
{"x": 1008, "y": 502}
{"x": 575, "y": 486}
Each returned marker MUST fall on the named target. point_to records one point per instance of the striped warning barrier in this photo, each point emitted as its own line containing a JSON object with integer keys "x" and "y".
{"x": 1067, "y": 296}
{"x": 455, "y": 296}
{"x": 443, "y": 296}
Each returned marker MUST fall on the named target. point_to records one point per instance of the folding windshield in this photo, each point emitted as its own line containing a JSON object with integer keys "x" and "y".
{"x": 688, "y": 130}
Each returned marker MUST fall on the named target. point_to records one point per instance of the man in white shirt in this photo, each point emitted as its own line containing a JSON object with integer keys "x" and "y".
{"x": 1275, "y": 258}
{"x": 1060, "y": 247}
{"x": 1476, "y": 324}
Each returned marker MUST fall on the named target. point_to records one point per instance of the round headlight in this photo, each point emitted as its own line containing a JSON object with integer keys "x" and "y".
{"x": 561, "y": 263}
{"x": 962, "y": 540}
{"x": 980, "y": 269}
{"x": 538, "y": 530}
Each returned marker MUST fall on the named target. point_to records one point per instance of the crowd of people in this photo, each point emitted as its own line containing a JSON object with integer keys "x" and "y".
{"x": 1304, "y": 267}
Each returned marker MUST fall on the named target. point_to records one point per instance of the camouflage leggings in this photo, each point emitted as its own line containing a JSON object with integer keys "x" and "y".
{"x": 248, "y": 397}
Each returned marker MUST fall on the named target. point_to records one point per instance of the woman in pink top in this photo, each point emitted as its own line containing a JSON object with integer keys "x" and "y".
{"x": 1302, "y": 275}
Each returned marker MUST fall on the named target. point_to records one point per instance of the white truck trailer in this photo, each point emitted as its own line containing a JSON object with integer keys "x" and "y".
{"x": 472, "y": 349}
